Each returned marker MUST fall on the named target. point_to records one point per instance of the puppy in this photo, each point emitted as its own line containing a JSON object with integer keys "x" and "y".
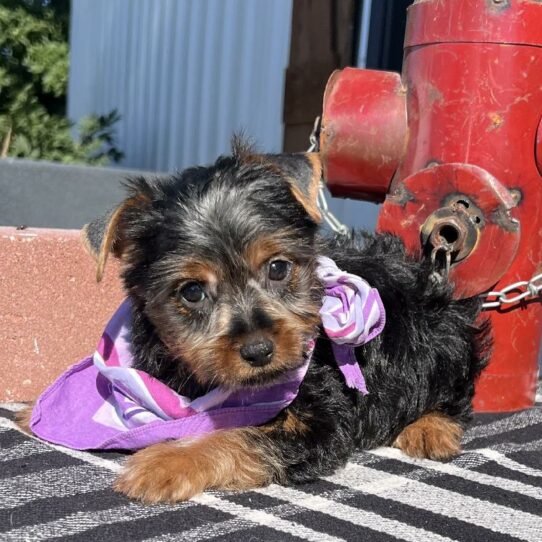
{"x": 220, "y": 266}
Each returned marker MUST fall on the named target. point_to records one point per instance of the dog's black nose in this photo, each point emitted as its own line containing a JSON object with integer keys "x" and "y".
{"x": 257, "y": 353}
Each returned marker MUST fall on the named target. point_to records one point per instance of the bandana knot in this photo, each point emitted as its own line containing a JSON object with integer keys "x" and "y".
{"x": 352, "y": 314}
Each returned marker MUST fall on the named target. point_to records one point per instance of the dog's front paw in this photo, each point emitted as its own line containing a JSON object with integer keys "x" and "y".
{"x": 161, "y": 473}
{"x": 433, "y": 436}
{"x": 176, "y": 471}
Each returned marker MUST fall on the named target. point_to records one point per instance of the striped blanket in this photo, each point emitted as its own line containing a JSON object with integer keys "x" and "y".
{"x": 492, "y": 492}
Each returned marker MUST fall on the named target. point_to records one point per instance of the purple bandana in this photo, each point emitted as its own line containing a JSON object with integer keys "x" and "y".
{"x": 104, "y": 403}
{"x": 352, "y": 314}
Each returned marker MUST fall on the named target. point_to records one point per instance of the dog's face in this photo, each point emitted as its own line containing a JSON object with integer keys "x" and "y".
{"x": 221, "y": 262}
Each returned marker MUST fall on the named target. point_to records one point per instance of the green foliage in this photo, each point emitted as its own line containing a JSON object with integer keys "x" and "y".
{"x": 33, "y": 85}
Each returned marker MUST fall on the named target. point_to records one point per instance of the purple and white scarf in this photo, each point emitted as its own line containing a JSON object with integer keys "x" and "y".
{"x": 102, "y": 402}
{"x": 352, "y": 314}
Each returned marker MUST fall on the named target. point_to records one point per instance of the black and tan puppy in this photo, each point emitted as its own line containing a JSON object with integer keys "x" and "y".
{"x": 219, "y": 263}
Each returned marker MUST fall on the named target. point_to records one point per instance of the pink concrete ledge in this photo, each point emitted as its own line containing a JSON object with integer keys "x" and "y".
{"x": 52, "y": 311}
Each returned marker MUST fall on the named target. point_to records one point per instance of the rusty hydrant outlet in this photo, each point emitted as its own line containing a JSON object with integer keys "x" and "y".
{"x": 453, "y": 229}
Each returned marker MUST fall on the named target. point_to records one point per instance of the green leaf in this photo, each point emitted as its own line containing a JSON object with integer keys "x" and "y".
{"x": 34, "y": 57}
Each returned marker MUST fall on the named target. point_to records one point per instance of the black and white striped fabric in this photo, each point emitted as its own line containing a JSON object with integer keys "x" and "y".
{"x": 492, "y": 492}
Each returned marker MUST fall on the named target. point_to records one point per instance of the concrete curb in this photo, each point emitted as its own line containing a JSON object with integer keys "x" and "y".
{"x": 52, "y": 311}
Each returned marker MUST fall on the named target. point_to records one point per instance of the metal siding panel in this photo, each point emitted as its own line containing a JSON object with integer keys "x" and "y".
{"x": 178, "y": 84}
{"x": 227, "y": 80}
{"x": 247, "y": 80}
{"x": 211, "y": 68}
{"x": 164, "y": 95}
{"x": 184, "y": 74}
{"x": 195, "y": 26}
{"x": 149, "y": 80}
{"x": 136, "y": 128}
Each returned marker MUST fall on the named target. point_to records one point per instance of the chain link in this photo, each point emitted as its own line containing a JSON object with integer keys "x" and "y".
{"x": 314, "y": 137}
{"x": 531, "y": 288}
{"x": 446, "y": 251}
{"x": 332, "y": 221}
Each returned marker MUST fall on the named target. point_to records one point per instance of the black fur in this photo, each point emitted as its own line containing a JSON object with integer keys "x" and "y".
{"x": 426, "y": 360}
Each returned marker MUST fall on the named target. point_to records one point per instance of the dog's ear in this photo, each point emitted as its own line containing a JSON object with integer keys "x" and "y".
{"x": 303, "y": 172}
{"x": 92, "y": 234}
{"x": 107, "y": 234}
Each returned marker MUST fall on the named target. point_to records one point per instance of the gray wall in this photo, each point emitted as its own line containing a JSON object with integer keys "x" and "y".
{"x": 42, "y": 194}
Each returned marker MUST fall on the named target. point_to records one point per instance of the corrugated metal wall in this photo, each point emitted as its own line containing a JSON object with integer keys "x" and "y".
{"x": 184, "y": 74}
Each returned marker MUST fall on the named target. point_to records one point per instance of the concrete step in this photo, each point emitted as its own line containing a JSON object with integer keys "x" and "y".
{"x": 52, "y": 311}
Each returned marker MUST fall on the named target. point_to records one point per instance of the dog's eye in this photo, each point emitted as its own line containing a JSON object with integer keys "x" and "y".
{"x": 279, "y": 270}
{"x": 192, "y": 292}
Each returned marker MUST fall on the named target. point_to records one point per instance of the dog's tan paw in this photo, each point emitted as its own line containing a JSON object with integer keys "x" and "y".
{"x": 176, "y": 471}
{"x": 433, "y": 436}
{"x": 161, "y": 473}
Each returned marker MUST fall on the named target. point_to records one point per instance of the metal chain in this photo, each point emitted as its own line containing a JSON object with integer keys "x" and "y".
{"x": 446, "y": 251}
{"x": 332, "y": 221}
{"x": 314, "y": 137}
{"x": 531, "y": 288}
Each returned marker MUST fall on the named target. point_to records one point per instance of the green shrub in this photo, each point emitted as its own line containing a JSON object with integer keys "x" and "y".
{"x": 33, "y": 85}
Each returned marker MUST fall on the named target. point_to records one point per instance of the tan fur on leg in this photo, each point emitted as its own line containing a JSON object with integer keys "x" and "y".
{"x": 433, "y": 436}
{"x": 22, "y": 418}
{"x": 288, "y": 422}
{"x": 175, "y": 471}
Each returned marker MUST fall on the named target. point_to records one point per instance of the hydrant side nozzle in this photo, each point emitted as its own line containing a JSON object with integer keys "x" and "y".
{"x": 364, "y": 132}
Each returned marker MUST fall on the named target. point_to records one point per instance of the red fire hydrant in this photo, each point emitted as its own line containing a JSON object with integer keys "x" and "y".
{"x": 453, "y": 149}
